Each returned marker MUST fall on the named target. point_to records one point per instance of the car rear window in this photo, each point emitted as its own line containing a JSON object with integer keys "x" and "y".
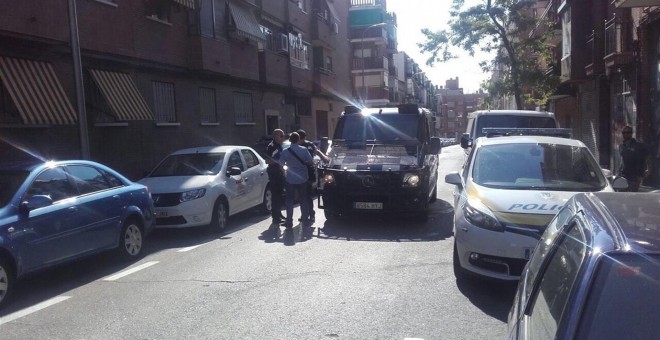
{"x": 624, "y": 297}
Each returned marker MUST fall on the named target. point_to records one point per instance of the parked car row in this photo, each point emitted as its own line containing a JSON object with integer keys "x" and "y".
{"x": 53, "y": 212}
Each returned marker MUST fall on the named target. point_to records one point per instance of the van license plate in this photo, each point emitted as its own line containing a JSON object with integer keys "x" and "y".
{"x": 160, "y": 214}
{"x": 368, "y": 205}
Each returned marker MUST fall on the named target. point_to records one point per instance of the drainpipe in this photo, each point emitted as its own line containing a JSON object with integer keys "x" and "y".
{"x": 77, "y": 71}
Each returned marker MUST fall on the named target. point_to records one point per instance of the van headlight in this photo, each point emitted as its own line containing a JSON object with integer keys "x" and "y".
{"x": 411, "y": 180}
{"x": 480, "y": 216}
{"x": 192, "y": 195}
{"x": 328, "y": 178}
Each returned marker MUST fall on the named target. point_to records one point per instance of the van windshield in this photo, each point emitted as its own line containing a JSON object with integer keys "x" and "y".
{"x": 377, "y": 127}
{"x": 513, "y": 121}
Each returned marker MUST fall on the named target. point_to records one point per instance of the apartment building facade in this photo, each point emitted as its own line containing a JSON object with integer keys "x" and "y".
{"x": 160, "y": 75}
{"x": 612, "y": 82}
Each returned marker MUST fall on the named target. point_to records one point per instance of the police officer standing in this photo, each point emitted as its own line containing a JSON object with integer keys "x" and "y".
{"x": 313, "y": 150}
{"x": 276, "y": 177}
{"x": 635, "y": 160}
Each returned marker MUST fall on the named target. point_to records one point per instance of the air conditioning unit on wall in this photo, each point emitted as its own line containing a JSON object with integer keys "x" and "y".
{"x": 335, "y": 28}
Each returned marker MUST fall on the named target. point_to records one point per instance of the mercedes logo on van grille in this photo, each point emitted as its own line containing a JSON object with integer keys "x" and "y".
{"x": 368, "y": 181}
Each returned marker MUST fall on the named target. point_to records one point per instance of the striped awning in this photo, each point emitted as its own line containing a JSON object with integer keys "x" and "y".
{"x": 122, "y": 95}
{"x": 246, "y": 23}
{"x": 36, "y": 91}
{"x": 187, "y": 3}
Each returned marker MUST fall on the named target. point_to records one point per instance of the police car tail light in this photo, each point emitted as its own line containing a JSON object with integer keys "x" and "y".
{"x": 479, "y": 217}
{"x": 410, "y": 180}
{"x": 192, "y": 195}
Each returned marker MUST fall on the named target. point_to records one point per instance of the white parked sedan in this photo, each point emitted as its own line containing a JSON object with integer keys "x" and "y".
{"x": 205, "y": 185}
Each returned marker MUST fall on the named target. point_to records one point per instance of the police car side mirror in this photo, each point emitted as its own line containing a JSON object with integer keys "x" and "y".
{"x": 436, "y": 145}
{"x": 466, "y": 141}
{"x": 454, "y": 178}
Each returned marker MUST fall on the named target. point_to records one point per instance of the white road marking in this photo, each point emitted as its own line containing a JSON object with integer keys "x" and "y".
{"x": 129, "y": 271}
{"x": 30, "y": 310}
{"x": 413, "y": 339}
{"x": 183, "y": 250}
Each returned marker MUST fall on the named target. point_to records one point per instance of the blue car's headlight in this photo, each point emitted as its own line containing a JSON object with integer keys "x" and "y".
{"x": 480, "y": 216}
{"x": 192, "y": 195}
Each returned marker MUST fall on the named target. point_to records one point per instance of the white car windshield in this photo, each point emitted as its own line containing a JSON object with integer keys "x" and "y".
{"x": 198, "y": 164}
{"x": 527, "y": 166}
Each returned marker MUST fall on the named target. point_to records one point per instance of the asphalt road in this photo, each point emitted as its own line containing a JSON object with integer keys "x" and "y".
{"x": 362, "y": 278}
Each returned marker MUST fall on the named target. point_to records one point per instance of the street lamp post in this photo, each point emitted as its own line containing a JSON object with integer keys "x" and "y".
{"x": 380, "y": 24}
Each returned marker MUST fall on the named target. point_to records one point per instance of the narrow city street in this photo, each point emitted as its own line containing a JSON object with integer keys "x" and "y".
{"x": 363, "y": 278}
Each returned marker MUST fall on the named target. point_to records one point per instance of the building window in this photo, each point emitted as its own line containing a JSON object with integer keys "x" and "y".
{"x": 328, "y": 63}
{"x": 159, "y": 10}
{"x": 566, "y": 33}
{"x": 299, "y": 51}
{"x": 207, "y": 107}
{"x": 243, "y": 108}
{"x": 164, "y": 103}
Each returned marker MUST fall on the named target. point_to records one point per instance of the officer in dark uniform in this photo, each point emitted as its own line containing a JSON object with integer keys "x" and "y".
{"x": 313, "y": 150}
{"x": 635, "y": 160}
{"x": 276, "y": 176}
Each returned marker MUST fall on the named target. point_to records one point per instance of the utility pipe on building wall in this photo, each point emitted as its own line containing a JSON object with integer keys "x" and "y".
{"x": 77, "y": 74}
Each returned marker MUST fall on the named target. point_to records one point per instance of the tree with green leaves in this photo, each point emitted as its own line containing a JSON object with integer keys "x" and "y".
{"x": 501, "y": 27}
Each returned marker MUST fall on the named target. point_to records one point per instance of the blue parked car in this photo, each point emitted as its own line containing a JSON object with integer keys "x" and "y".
{"x": 595, "y": 273}
{"x": 55, "y": 212}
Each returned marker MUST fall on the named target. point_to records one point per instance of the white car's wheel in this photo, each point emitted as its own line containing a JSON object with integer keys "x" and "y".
{"x": 130, "y": 244}
{"x": 220, "y": 216}
{"x": 267, "y": 203}
{"x": 7, "y": 279}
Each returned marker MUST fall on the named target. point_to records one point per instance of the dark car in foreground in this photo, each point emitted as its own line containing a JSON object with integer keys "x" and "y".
{"x": 595, "y": 273}
{"x": 56, "y": 212}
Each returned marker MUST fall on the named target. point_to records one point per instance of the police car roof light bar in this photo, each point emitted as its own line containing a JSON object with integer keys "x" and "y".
{"x": 553, "y": 132}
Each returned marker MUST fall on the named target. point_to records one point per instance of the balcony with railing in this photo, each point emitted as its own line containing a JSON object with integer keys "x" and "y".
{"x": 363, "y": 3}
{"x": 372, "y": 94}
{"x": 549, "y": 21}
{"x": 617, "y": 48}
{"x": 370, "y": 63}
{"x": 595, "y": 65}
{"x": 369, "y": 33}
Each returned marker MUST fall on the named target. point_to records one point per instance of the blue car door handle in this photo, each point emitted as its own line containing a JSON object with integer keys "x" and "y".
{"x": 72, "y": 209}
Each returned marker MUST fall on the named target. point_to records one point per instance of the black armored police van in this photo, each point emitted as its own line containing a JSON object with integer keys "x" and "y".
{"x": 382, "y": 160}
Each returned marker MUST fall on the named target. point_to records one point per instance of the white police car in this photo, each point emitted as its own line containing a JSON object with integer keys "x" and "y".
{"x": 511, "y": 185}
